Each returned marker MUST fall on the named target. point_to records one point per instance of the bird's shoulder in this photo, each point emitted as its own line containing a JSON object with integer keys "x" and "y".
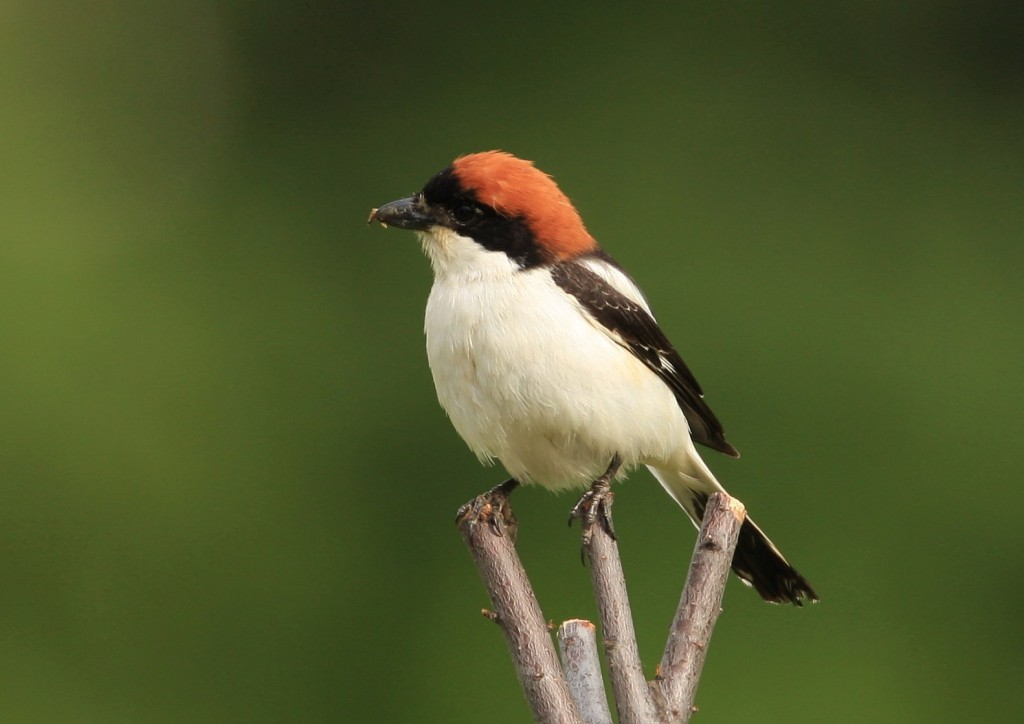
{"x": 604, "y": 290}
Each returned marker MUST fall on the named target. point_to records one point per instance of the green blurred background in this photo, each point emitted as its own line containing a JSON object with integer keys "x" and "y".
{"x": 227, "y": 488}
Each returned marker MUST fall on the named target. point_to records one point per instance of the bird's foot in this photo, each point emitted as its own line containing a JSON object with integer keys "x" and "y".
{"x": 492, "y": 508}
{"x": 595, "y": 507}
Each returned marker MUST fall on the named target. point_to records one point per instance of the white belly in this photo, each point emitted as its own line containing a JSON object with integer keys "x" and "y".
{"x": 539, "y": 386}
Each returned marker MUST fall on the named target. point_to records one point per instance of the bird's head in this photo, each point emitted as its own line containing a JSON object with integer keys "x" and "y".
{"x": 487, "y": 203}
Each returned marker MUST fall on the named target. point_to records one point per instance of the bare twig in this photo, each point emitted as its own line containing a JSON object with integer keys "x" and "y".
{"x": 632, "y": 692}
{"x": 517, "y": 612}
{"x": 700, "y": 605}
{"x": 486, "y": 528}
{"x": 577, "y": 642}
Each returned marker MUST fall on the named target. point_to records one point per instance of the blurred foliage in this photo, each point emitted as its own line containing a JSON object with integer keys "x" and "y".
{"x": 227, "y": 488}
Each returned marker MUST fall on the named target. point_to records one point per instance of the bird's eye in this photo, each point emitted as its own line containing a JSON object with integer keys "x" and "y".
{"x": 465, "y": 213}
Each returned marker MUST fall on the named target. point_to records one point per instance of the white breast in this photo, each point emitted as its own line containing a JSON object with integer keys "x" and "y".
{"x": 528, "y": 377}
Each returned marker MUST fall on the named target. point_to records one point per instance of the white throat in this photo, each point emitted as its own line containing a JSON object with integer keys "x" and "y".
{"x": 453, "y": 255}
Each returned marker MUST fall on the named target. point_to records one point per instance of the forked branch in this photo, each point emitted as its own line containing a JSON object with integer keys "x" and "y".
{"x": 670, "y": 697}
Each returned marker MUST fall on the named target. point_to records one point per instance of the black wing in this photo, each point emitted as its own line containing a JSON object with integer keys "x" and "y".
{"x": 637, "y": 331}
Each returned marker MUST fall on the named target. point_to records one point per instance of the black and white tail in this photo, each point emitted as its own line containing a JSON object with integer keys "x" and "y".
{"x": 757, "y": 561}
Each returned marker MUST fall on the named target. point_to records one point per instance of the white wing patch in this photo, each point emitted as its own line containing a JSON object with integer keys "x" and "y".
{"x": 618, "y": 280}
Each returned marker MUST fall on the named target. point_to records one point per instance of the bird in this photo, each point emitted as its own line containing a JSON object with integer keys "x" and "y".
{"x": 546, "y": 356}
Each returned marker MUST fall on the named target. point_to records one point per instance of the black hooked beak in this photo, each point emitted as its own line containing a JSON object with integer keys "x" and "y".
{"x": 404, "y": 214}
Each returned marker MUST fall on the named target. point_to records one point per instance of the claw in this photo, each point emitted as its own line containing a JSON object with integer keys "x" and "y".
{"x": 595, "y": 506}
{"x": 493, "y": 509}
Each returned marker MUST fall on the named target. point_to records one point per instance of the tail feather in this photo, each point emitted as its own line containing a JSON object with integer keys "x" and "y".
{"x": 757, "y": 561}
{"x": 760, "y": 564}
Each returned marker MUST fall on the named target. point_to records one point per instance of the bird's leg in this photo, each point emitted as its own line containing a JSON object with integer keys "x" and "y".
{"x": 596, "y": 504}
{"x": 493, "y": 508}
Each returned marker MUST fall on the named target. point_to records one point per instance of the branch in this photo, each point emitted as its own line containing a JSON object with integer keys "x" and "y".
{"x": 487, "y": 528}
{"x": 701, "y": 602}
{"x": 632, "y": 693}
{"x": 517, "y": 612}
{"x": 577, "y": 642}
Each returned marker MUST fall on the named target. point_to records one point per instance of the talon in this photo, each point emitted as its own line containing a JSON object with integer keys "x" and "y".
{"x": 596, "y": 505}
{"x": 493, "y": 509}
